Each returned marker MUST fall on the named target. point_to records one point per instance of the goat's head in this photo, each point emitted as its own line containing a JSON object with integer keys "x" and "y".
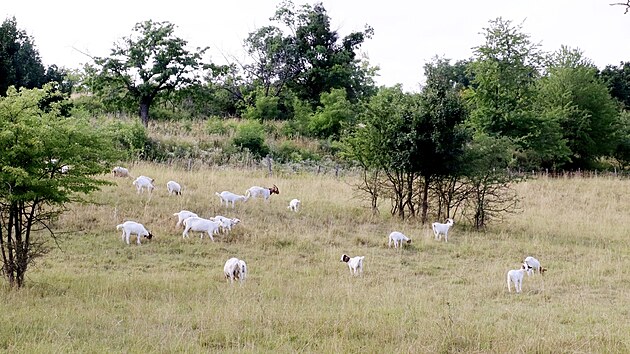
{"x": 450, "y": 221}
{"x": 409, "y": 241}
{"x": 344, "y": 258}
{"x": 274, "y": 189}
{"x": 149, "y": 236}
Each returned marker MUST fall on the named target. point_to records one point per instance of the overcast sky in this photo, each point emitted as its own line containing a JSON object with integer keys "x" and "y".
{"x": 407, "y": 33}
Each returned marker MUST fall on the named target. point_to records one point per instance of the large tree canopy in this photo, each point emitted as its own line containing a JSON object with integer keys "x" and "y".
{"x": 20, "y": 64}
{"x": 150, "y": 61}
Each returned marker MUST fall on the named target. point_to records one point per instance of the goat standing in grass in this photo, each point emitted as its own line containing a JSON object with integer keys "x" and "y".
{"x": 202, "y": 226}
{"x": 235, "y": 269}
{"x": 355, "y": 264}
{"x": 516, "y": 276}
{"x": 132, "y": 227}
{"x": 120, "y": 172}
{"x": 294, "y": 205}
{"x": 439, "y": 229}
{"x": 228, "y": 197}
{"x": 174, "y": 188}
{"x": 398, "y": 238}
{"x": 183, "y": 215}
{"x": 143, "y": 182}
{"x": 534, "y": 264}
{"x": 256, "y": 191}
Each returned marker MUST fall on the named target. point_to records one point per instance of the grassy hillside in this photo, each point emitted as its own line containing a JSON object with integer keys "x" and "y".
{"x": 92, "y": 293}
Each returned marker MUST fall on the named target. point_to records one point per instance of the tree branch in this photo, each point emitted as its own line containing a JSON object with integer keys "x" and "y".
{"x": 626, "y": 4}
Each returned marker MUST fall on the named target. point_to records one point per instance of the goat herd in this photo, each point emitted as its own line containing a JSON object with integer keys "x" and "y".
{"x": 236, "y": 269}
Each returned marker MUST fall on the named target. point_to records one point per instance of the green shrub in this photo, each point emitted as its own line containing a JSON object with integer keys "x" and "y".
{"x": 251, "y": 135}
{"x": 218, "y": 126}
{"x": 130, "y": 137}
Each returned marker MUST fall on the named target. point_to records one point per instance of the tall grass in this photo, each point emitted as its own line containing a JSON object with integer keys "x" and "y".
{"x": 92, "y": 293}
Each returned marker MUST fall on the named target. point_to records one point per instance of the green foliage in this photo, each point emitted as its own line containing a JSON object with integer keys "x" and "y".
{"x": 617, "y": 79}
{"x": 289, "y": 151}
{"x": 251, "y": 136}
{"x": 20, "y": 64}
{"x": 152, "y": 54}
{"x": 335, "y": 111}
{"x": 218, "y": 126}
{"x": 129, "y": 137}
{"x": 581, "y": 106}
{"x": 265, "y": 108}
{"x": 504, "y": 72}
{"x": 48, "y": 160}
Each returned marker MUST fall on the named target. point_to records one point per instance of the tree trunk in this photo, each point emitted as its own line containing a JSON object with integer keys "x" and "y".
{"x": 425, "y": 199}
{"x": 145, "y": 103}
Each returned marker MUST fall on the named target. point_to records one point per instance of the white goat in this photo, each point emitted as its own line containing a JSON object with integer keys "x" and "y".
{"x": 173, "y": 188}
{"x": 228, "y": 197}
{"x": 516, "y": 276}
{"x": 398, "y": 238}
{"x": 534, "y": 264}
{"x": 439, "y": 229}
{"x": 120, "y": 172}
{"x": 200, "y": 225}
{"x": 132, "y": 227}
{"x": 355, "y": 264}
{"x": 256, "y": 191}
{"x": 183, "y": 215}
{"x": 225, "y": 223}
{"x": 294, "y": 205}
{"x": 143, "y": 182}
{"x": 235, "y": 269}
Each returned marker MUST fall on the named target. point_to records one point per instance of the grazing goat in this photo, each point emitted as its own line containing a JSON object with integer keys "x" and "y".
{"x": 294, "y": 205}
{"x": 225, "y": 223}
{"x": 173, "y": 188}
{"x": 439, "y": 229}
{"x": 132, "y": 227}
{"x": 120, "y": 172}
{"x": 534, "y": 264}
{"x": 143, "y": 182}
{"x": 235, "y": 269}
{"x": 516, "y": 276}
{"x": 200, "y": 225}
{"x": 355, "y": 264}
{"x": 256, "y": 191}
{"x": 228, "y": 197}
{"x": 183, "y": 215}
{"x": 397, "y": 238}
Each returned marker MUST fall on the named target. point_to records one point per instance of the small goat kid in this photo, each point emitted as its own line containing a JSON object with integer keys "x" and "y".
{"x": 225, "y": 223}
{"x": 173, "y": 188}
{"x": 398, "y": 238}
{"x": 132, "y": 227}
{"x": 202, "y": 226}
{"x": 228, "y": 197}
{"x": 235, "y": 269}
{"x": 294, "y": 205}
{"x": 516, "y": 276}
{"x": 534, "y": 264}
{"x": 439, "y": 229}
{"x": 355, "y": 264}
{"x": 183, "y": 215}
{"x": 256, "y": 191}
{"x": 143, "y": 182}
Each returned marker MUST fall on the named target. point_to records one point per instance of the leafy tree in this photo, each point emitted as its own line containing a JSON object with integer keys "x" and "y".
{"x": 151, "y": 61}
{"x": 582, "y": 106}
{"x": 38, "y": 143}
{"x": 503, "y": 93}
{"x": 440, "y": 135}
{"x": 618, "y": 80}
{"x": 20, "y": 64}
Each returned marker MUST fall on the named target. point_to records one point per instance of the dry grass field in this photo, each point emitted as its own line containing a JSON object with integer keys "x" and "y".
{"x": 94, "y": 294}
